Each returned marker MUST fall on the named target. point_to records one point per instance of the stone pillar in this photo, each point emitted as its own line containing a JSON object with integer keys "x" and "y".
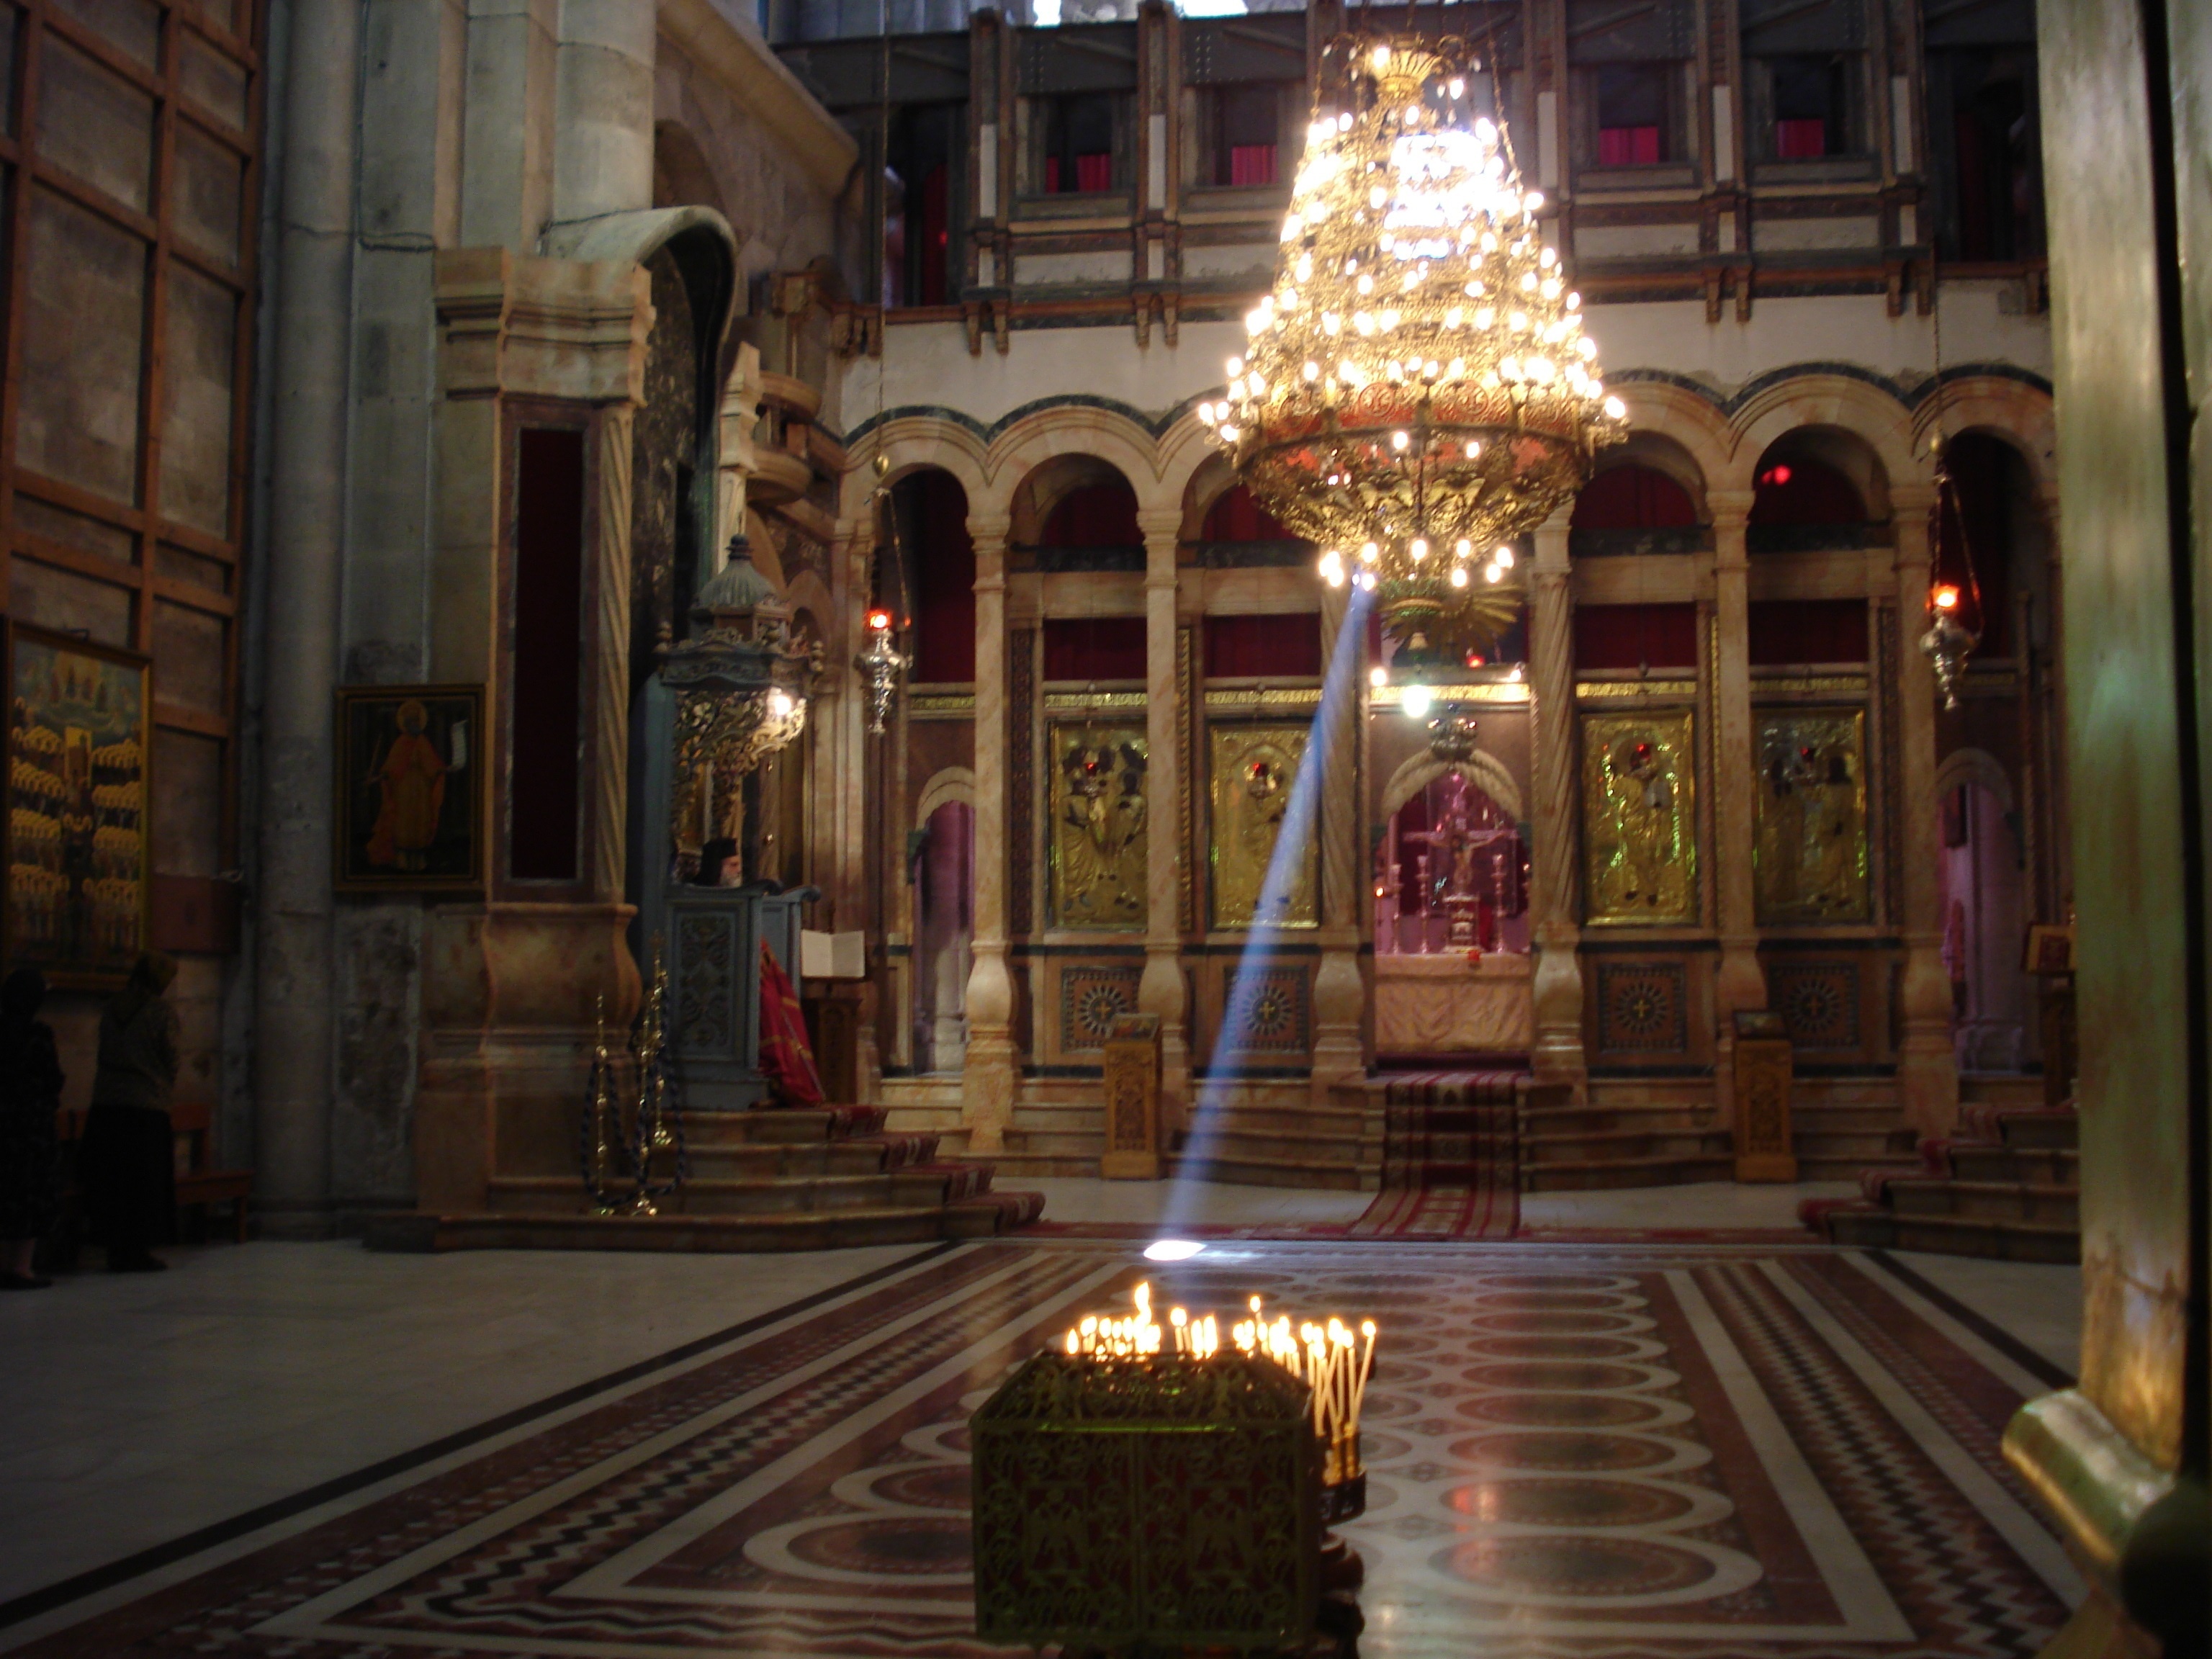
{"x": 307, "y": 498}
{"x": 1556, "y": 987}
{"x": 603, "y": 128}
{"x": 1340, "y": 995}
{"x": 988, "y": 1093}
{"x": 1740, "y": 982}
{"x": 1928, "y": 1066}
{"x": 1161, "y": 991}
{"x": 607, "y": 699}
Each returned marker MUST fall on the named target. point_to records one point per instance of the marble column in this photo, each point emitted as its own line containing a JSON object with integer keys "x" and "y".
{"x": 1928, "y": 1067}
{"x": 1161, "y": 991}
{"x": 1555, "y": 827}
{"x": 1339, "y": 996}
{"x": 1740, "y": 983}
{"x": 988, "y": 1093}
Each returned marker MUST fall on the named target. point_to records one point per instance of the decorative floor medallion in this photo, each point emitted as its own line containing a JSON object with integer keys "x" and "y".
{"x": 1572, "y": 1451}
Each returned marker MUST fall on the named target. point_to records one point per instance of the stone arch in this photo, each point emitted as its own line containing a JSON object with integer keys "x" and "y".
{"x": 912, "y": 443}
{"x": 1030, "y": 503}
{"x": 2020, "y": 414}
{"x": 1484, "y": 770}
{"x": 682, "y": 175}
{"x": 810, "y": 599}
{"x": 1677, "y": 431}
{"x": 1865, "y": 425}
{"x": 1105, "y": 435}
{"x": 953, "y": 783}
{"x": 1974, "y": 765}
{"x": 1212, "y": 478}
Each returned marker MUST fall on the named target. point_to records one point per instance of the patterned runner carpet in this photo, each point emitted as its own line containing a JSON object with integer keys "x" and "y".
{"x": 1451, "y": 1160}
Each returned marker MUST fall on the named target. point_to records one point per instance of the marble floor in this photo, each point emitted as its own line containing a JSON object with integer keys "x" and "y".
{"x": 1574, "y": 1447}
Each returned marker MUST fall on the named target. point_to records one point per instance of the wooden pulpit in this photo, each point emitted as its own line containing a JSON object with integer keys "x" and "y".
{"x": 1763, "y": 1062}
{"x": 1132, "y": 1099}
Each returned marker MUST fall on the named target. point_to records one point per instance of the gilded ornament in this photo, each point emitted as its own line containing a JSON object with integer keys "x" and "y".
{"x": 1810, "y": 842}
{"x": 1098, "y": 826}
{"x": 1253, "y": 768}
{"x": 1639, "y": 826}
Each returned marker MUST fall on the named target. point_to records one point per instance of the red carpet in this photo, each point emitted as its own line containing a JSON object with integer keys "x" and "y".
{"x": 1451, "y": 1162}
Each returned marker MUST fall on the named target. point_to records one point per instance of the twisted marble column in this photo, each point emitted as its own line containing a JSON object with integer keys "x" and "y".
{"x": 1557, "y": 985}
{"x": 1928, "y": 1067}
{"x": 1161, "y": 991}
{"x": 1741, "y": 984}
{"x": 1339, "y": 996}
{"x": 988, "y": 1107}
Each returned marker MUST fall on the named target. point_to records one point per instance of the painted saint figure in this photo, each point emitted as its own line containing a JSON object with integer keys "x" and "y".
{"x": 411, "y": 784}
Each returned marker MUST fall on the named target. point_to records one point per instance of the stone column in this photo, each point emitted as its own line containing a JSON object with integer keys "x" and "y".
{"x": 988, "y": 1093}
{"x": 1556, "y": 988}
{"x": 293, "y": 989}
{"x": 603, "y": 127}
{"x": 1162, "y": 990}
{"x": 1928, "y": 1067}
{"x": 1339, "y": 996}
{"x": 607, "y": 708}
{"x": 1741, "y": 983}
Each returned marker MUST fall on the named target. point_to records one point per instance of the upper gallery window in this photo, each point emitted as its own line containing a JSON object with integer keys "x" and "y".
{"x": 1630, "y": 79}
{"x": 1080, "y": 142}
{"x": 1804, "y": 79}
{"x": 1245, "y": 133}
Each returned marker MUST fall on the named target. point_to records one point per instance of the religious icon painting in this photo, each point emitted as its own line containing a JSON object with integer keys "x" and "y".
{"x": 1259, "y": 880}
{"x": 79, "y": 851}
{"x": 1808, "y": 816}
{"x": 1099, "y": 841}
{"x": 411, "y": 787}
{"x": 1639, "y": 824}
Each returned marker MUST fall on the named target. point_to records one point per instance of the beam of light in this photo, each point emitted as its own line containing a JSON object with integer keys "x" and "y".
{"x": 1174, "y": 1249}
{"x": 1294, "y": 853}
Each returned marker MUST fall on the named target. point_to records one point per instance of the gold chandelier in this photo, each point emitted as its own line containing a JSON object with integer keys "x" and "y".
{"x": 1417, "y": 389}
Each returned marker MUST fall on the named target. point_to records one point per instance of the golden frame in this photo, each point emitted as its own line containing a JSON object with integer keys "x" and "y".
{"x": 1639, "y": 817}
{"x": 1252, "y": 775}
{"x": 366, "y": 718}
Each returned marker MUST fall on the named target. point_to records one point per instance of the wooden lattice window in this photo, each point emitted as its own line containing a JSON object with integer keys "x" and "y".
{"x": 129, "y": 175}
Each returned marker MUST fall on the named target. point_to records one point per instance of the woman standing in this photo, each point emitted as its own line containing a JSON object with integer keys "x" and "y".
{"x": 130, "y": 1153}
{"x": 30, "y": 1094}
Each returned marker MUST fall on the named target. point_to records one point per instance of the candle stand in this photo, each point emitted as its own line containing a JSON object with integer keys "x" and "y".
{"x": 1159, "y": 1502}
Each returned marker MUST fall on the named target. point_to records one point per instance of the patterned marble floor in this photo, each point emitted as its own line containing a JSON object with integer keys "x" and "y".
{"x": 1574, "y": 1451}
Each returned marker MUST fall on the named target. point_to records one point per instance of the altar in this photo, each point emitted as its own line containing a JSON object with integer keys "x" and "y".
{"x": 1441, "y": 1003}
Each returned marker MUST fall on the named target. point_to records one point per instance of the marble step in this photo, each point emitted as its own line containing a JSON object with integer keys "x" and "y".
{"x": 2048, "y": 1166}
{"x": 710, "y": 1195}
{"x": 1606, "y": 1173}
{"x": 1628, "y": 1145}
{"x": 1823, "y": 1166}
{"x": 1870, "y": 1227}
{"x": 2004, "y": 1088}
{"x": 1995, "y": 1200}
{"x": 1611, "y": 1118}
{"x": 781, "y": 1125}
{"x": 1284, "y": 1169}
{"x": 1841, "y": 1119}
{"x": 800, "y": 1230}
{"x": 2041, "y": 1131}
{"x": 771, "y": 1161}
{"x": 1867, "y": 1146}
{"x": 1333, "y": 1155}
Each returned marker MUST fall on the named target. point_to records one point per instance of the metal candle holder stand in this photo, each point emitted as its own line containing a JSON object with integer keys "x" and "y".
{"x": 1147, "y": 1505}
{"x": 656, "y": 1115}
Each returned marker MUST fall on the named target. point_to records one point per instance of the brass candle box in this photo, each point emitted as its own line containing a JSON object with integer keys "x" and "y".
{"x": 1160, "y": 1500}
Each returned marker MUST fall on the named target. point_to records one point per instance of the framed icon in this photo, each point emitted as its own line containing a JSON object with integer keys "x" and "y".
{"x": 411, "y": 788}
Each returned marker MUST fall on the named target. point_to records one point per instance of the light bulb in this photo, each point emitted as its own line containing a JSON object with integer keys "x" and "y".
{"x": 1615, "y": 408}
{"x": 1502, "y": 559}
{"x": 1378, "y": 676}
{"x": 1463, "y": 548}
{"x": 1420, "y": 549}
{"x": 1418, "y": 701}
{"x": 1490, "y": 573}
{"x": 1459, "y": 575}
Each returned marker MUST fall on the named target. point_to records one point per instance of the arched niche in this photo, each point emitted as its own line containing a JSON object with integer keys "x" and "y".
{"x": 1676, "y": 480}
{"x": 1055, "y": 503}
{"x": 925, "y": 572}
{"x": 1483, "y": 769}
{"x": 1451, "y": 828}
{"x": 1991, "y": 535}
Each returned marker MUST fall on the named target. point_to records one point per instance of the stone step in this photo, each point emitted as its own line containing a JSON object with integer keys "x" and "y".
{"x": 1822, "y": 1166}
{"x": 1992, "y": 1200}
{"x": 1331, "y": 1151}
{"x": 1844, "y": 1093}
{"x": 779, "y": 1126}
{"x": 1289, "y": 1119}
{"x": 1872, "y": 1228}
{"x": 1839, "y": 1119}
{"x": 798, "y": 1230}
{"x": 1624, "y": 1145}
{"x": 1017, "y": 1161}
{"x": 900, "y": 1189}
{"x": 1592, "y": 1175}
{"x": 1601, "y": 1120}
{"x": 2049, "y": 1166}
{"x": 1868, "y": 1146}
{"x": 1260, "y": 1169}
{"x": 770, "y": 1161}
{"x": 2005, "y": 1088}
{"x": 2041, "y": 1131}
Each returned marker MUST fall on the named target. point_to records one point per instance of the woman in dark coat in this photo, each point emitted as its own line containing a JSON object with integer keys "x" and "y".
{"x": 30, "y": 1094}
{"x": 129, "y": 1156}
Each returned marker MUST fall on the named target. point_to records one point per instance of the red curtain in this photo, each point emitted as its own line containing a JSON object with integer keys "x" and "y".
{"x": 1805, "y": 139}
{"x": 1251, "y": 164}
{"x": 1636, "y": 636}
{"x": 1627, "y": 147}
{"x": 786, "y": 1056}
{"x": 1254, "y": 647}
